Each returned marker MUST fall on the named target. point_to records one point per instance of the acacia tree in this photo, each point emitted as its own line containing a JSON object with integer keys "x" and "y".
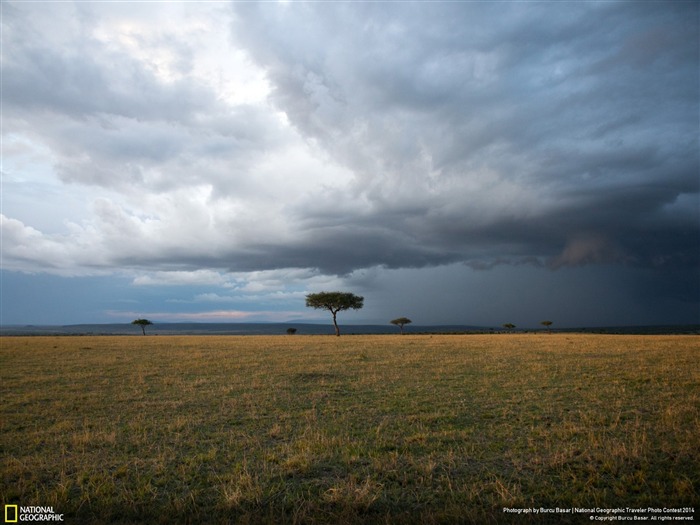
{"x": 334, "y": 302}
{"x": 547, "y": 324}
{"x": 509, "y": 326}
{"x": 400, "y": 322}
{"x": 143, "y": 323}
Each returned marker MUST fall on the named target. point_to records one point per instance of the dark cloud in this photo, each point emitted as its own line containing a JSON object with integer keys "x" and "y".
{"x": 514, "y": 134}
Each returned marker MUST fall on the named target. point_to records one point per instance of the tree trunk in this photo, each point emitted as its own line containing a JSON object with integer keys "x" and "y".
{"x": 143, "y": 329}
{"x": 337, "y": 330}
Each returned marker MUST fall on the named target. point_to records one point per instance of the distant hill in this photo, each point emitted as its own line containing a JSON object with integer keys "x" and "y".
{"x": 225, "y": 329}
{"x": 309, "y": 329}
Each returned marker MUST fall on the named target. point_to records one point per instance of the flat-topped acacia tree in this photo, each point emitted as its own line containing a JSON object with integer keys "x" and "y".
{"x": 400, "y": 322}
{"x": 334, "y": 302}
{"x": 143, "y": 323}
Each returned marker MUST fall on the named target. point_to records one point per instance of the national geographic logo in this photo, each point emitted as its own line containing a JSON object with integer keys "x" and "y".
{"x": 16, "y": 513}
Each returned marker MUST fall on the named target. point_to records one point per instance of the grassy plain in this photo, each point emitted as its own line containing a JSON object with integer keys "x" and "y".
{"x": 356, "y": 429}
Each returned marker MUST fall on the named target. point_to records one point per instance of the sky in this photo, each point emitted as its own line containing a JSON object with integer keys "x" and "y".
{"x": 473, "y": 163}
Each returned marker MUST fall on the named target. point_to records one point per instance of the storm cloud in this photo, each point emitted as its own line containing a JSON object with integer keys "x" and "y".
{"x": 476, "y": 134}
{"x": 343, "y": 139}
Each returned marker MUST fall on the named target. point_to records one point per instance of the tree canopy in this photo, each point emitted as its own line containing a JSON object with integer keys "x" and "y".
{"x": 334, "y": 302}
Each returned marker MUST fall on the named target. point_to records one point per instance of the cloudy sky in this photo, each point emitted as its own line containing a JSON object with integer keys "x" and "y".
{"x": 453, "y": 162}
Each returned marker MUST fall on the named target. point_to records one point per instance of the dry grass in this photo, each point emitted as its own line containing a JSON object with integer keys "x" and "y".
{"x": 313, "y": 429}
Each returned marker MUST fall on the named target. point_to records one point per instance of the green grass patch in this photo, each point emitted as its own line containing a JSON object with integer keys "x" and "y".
{"x": 361, "y": 429}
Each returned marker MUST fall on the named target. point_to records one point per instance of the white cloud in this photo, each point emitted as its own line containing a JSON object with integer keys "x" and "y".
{"x": 181, "y": 278}
{"x": 213, "y": 298}
{"x": 26, "y": 249}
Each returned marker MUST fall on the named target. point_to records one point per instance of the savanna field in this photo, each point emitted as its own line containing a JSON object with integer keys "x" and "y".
{"x": 356, "y": 429}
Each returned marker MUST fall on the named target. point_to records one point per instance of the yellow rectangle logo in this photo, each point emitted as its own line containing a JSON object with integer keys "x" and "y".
{"x": 11, "y": 513}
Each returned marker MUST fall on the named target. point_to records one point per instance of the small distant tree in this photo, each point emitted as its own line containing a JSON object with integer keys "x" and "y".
{"x": 334, "y": 302}
{"x": 509, "y": 326}
{"x": 291, "y": 331}
{"x": 546, "y": 324}
{"x": 143, "y": 323}
{"x": 400, "y": 322}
